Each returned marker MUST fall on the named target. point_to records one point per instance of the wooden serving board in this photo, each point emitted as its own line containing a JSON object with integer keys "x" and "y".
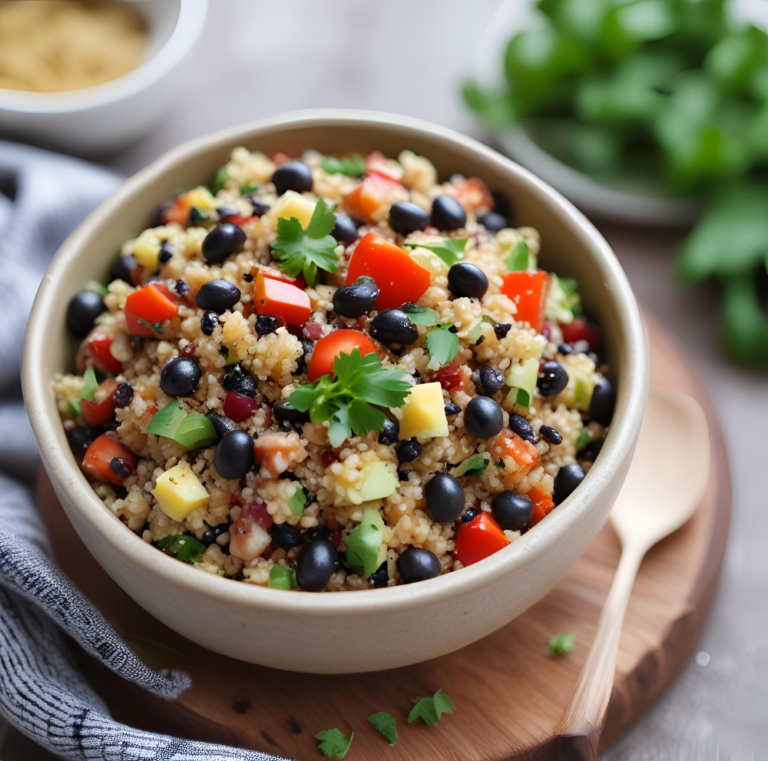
{"x": 509, "y": 694}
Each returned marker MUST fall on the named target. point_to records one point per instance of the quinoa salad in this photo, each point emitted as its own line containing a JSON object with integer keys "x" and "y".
{"x": 334, "y": 373}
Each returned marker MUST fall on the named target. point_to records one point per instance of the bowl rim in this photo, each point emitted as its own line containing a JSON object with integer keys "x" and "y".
{"x": 189, "y": 23}
{"x": 618, "y": 446}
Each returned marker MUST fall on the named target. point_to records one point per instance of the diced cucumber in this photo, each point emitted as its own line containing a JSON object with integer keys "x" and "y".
{"x": 477, "y": 329}
{"x": 522, "y": 382}
{"x": 563, "y": 299}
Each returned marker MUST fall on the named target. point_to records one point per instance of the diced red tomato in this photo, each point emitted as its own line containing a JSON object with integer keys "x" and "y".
{"x": 473, "y": 194}
{"x": 543, "y": 504}
{"x": 236, "y": 219}
{"x": 101, "y": 408}
{"x": 479, "y": 539}
{"x": 238, "y": 407}
{"x": 98, "y": 461}
{"x": 529, "y": 292}
{"x": 581, "y": 330}
{"x": 509, "y": 444}
{"x": 377, "y": 164}
{"x": 177, "y": 212}
{"x": 280, "y": 299}
{"x": 249, "y": 537}
{"x": 152, "y": 303}
{"x": 453, "y": 377}
{"x": 399, "y": 277}
{"x": 277, "y": 452}
{"x": 374, "y": 191}
{"x": 280, "y": 157}
{"x": 95, "y": 352}
{"x": 331, "y": 346}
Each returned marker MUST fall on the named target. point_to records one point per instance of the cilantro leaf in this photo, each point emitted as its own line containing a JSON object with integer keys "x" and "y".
{"x": 298, "y": 500}
{"x": 421, "y": 315}
{"x": 451, "y": 250}
{"x": 183, "y": 547}
{"x": 561, "y": 643}
{"x": 246, "y": 188}
{"x": 353, "y": 166}
{"x": 442, "y": 344}
{"x": 90, "y": 384}
{"x": 309, "y": 250}
{"x": 520, "y": 258}
{"x": 190, "y": 430}
{"x": 333, "y": 742}
{"x": 282, "y": 577}
{"x": 364, "y": 543}
{"x": 431, "y": 709}
{"x": 472, "y": 466}
{"x": 385, "y": 723}
{"x": 218, "y": 181}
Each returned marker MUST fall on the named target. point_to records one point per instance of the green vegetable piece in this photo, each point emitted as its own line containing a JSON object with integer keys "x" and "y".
{"x": 218, "y": 181}
{"x": 333, "y": 742}
{"x": 364, "y": 550}
{"x": 232, "y": 359}
{"x": 583, "y": 439}
{"x": 90, "y": 384}
{"x": 183, "y": 547}
{"x": 190, "y": 430}
{"x": 74, "y": 406}
{"x": 431, "y": 709}
{"x": 96, "y": 287}
{"x": 297, "y": 501}
{"x": 281, "y": 577}
{"x": 246, "y": 189}
{"x": 474, "y": 465}
{"x": 476, "y": 332}
{"x": 563, "y": 299}
{"x": 421, "y": 315}
{"x": 520, "y": 258}
{"x": 385, "y": 723}
{"x": 561, "y": 643}
{"x": 309, "y": 250}
{"x": 353, "y": 166}
{"x": 522, "y": 379}
{"x": 451, "y": 250}
{"x": 442, "y": 344}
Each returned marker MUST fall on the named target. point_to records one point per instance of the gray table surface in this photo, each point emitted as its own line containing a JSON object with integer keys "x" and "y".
{"x": 408, "y": 56}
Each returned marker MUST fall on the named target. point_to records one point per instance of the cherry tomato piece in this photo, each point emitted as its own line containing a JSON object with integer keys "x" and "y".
{"x": 581, "y": 330}
{"x": 95, "y": 352}
{"x": 101, "y": 408}
{"x": 331, "y": 346}
{"x": 479, "y": 539}
{"x": 108, "y": 459}
{"x": 374, "y": 191}
{"x": 529, "y": 292}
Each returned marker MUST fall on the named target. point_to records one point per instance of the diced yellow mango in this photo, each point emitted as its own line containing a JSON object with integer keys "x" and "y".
{"x": 201, "y": 198}
{"x": 378, "y": 479}
{"x": 147, "y": 251}
{"x": 179, "y": 492}
{"x": 293, "y": 204}
{"x": 423, "y": 414}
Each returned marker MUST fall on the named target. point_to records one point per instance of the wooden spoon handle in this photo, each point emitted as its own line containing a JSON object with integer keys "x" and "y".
{"x": 582, "y": 722}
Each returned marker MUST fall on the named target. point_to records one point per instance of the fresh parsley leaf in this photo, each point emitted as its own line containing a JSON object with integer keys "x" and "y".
{"x": 309, "y": 250}
{"x": 247, "y": 188}
{"x": 385, "y": 723}
{"x": 519, "y": 259}
{"x": 184, "y": 547}
{"x": 364, "y": 543}
{"x": 90, "y": 384}
{"x": 298, "y": 500}
{"x": 472, "y": 466}
{"x": 353, "y": 166}
{"x": 74, "y": 406}
{"x": 333, "y": 742}
{"x": 190, "y": 430}
{"x": 218, "y": 181}
{"x": 431, "y": 709}
{"x": 421, "y": 315}
{"x": 561, "y": 643}
{"x": 442, "y": 344}
{"x": 451, "y": 250}
{"x": 97, "y": 287}
{"x": 281, "y": 577}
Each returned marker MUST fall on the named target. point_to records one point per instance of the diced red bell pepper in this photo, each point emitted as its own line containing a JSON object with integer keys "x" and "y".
{"x": 529, "y": 292}
{"x": 238, "y": 407}
{"x": 473, "y": 194}
{"x": 298, "y": 281}
{"x": 280, "y": 299}
{"x": 399, "y": 277}
{"x": 376, "y": 164}
{"x": 95, "y": 352}
{"x": 101, "y": 408}
{"x": 509, "y": 444}
{"x": 374, "y": 191}
{"x": 543, "y": 504}
{"x": 581, "y": 330}
{"x": 152, "y": 303}
{"x": 479, "y": 539}
{"x": 236, "y": 219}
{"x": 108, "y": 459}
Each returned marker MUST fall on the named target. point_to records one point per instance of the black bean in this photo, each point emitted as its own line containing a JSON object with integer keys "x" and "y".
{"x": 390, "y": 431}
{"x": 123, "y": 395}
{"x": 233, "y": 457}
{"x": 293, "y": 175}
{"x": 223, "y": 241}
{"x": 222, "y": 424}
{"x": 468, "y": 515}
{"x": 552, "y": 435}
{"x": 180, "y": 376}
{"x": 590, "y": 452}
{"x": 286, "y": 536}
{"x": 406, "y": 217}
{"x": 512, "y": 510}
{"x": 181, "y": 287}
{"x": 393, "y": 327}
{"x": 501, "y": 329}
{"x": 552, "y": 379}
{"x": 81, "y": 438}
{"x": 218, "y": 296}
{"x": 408, "y": 451}
{"x": 83, "y": 310}
{"x": 120, "y": 467}
{"x": 493, "y": 221}
{"x": 284, "y": 413}
{"x": 566, "y": 481}
{"x": 248, "y": 277}
{"x": 266, "y": 324}
{"x": 165, "y": 253}
{"x": 603, "y": 402}
{"x": 122, "y": 268}
{"x": 380, "y": 576}
{"x": 260, "y": 208}
{"x": 318, "y": 561}
{"x": 522, "y": 428}
{"x": 356, "y": 299}
{"x": 565, "y": 349}
{"x": 465, "y": 279}
{"x": 491, "y": 379}
{"x": 418, "y": 564}
{"x": 448, "y": 213}
{"x": 404, "y": 475}
{"x": 208, "y": 323}
{"x": 345, "y": 230}
{"x": 452, "y": 409}
{"x": 317, "y": 534}
{"x": 240, "y": 381}
{"x": 444, "y": 496}
{"x": 213, "y": 533}
{"x": 483, "y": 417}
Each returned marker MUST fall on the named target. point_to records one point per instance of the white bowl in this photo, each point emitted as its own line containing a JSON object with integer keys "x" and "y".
{"x": 100, "y": 119}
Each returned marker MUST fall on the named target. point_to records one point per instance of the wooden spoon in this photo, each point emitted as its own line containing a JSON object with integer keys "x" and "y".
{"x": 665, "y": 484}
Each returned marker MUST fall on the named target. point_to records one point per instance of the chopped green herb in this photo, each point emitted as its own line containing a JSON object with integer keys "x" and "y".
{"x": 519, "y": 259}
{"x": 350, "y": 402}
{"x": 333, "y": 742}
{"x": 563, "y": 299}
{"x": 232, "y": 359}
{"x": 74, "y": 406}
{"x": 431, "y": 709}
{"x": 298, "y": 500}
{"x": 153, "y": 326}
{"x": 90, "y": 384}
{"x": 246, "y": 189}
{"x": 442, "y": 344}
{"x": 421, "y": 315}
{"x": 185, "y": 547}
{"x": 476, "y": 333}
{"x": 97, "y": 287}
{"x": 561, "y": 643}
{"x": 353, "y": 166}
{"x": 364, "y": 551}
{"x": 451, "y": 250}
{"x": 385, "y": 723}
{"x": 472, "y": 466}
{"x": 190, "y": 430}
{"x": 583, "y": 439}
{"x": 197, "y": 216}
{"x": 281, "y": 577}
{"x": 218, "y": 181}
{"x": 309, "y": 250}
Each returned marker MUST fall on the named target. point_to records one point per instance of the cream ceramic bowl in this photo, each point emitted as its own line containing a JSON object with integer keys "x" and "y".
{"x": 346, "y": 631}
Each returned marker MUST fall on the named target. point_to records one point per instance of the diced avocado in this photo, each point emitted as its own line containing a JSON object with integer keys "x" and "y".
{"x": 293, "y": 204}
{"x": 378, "y": 479}
{"x": 522, "y": 379}
{"x": 179, "y": 492}
{"x": 365, "y": 548}
{"x": 423, "y": 414}
{"x": 430, "y": 261}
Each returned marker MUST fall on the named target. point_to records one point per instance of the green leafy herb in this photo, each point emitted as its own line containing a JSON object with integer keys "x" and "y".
{"x": 431, "y": 709}
{"x": 97, "y": 287}
{"x": 298, "y": 500}
{"x": 90, "y": 384}
{"x": 218, "y": 181}
{"x": 185, "y": 547}
{"x": 333, "y": 742}
{"x": 246, "y": 189}
{"x": 190, "y": 430}
{"x": 385, "y": 723}
{"x": 197, "y": 216}
{"x": 563, "y": 299}
{"x": 309, "y": 250}
{"x": 421, "y": 315}
{"x": 582, "y": 439}
{"x": 364, "y": 550}
{"x": 451, "y": 250}
{"x": 281, "y": 577}
{"x": 442, "y": 344}
{"x": 153, "y": 326}
{"x": 232, "y": 359}
{"x": 520, "y": 258}
{"x": 474, "y": 465}
{"x": 561, "y": 643}
{"x": 353, "y": 166}
{"x": 350, "y": 401}
{"x": 74, "y": 406}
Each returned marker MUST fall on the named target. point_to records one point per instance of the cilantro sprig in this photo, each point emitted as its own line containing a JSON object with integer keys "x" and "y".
{"x": 188, "y": 549}
{"x": 352, "y": 166}
{"x": 310, "y": 250}
{"x": 442, "y": 343}
{"x": 351, "y": 399}
{"x": 429, "y": 710}
{"x": 333, "y": 742}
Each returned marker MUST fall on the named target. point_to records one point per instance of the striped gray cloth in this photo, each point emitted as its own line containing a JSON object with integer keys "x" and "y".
{"x": 42, "y": 693}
